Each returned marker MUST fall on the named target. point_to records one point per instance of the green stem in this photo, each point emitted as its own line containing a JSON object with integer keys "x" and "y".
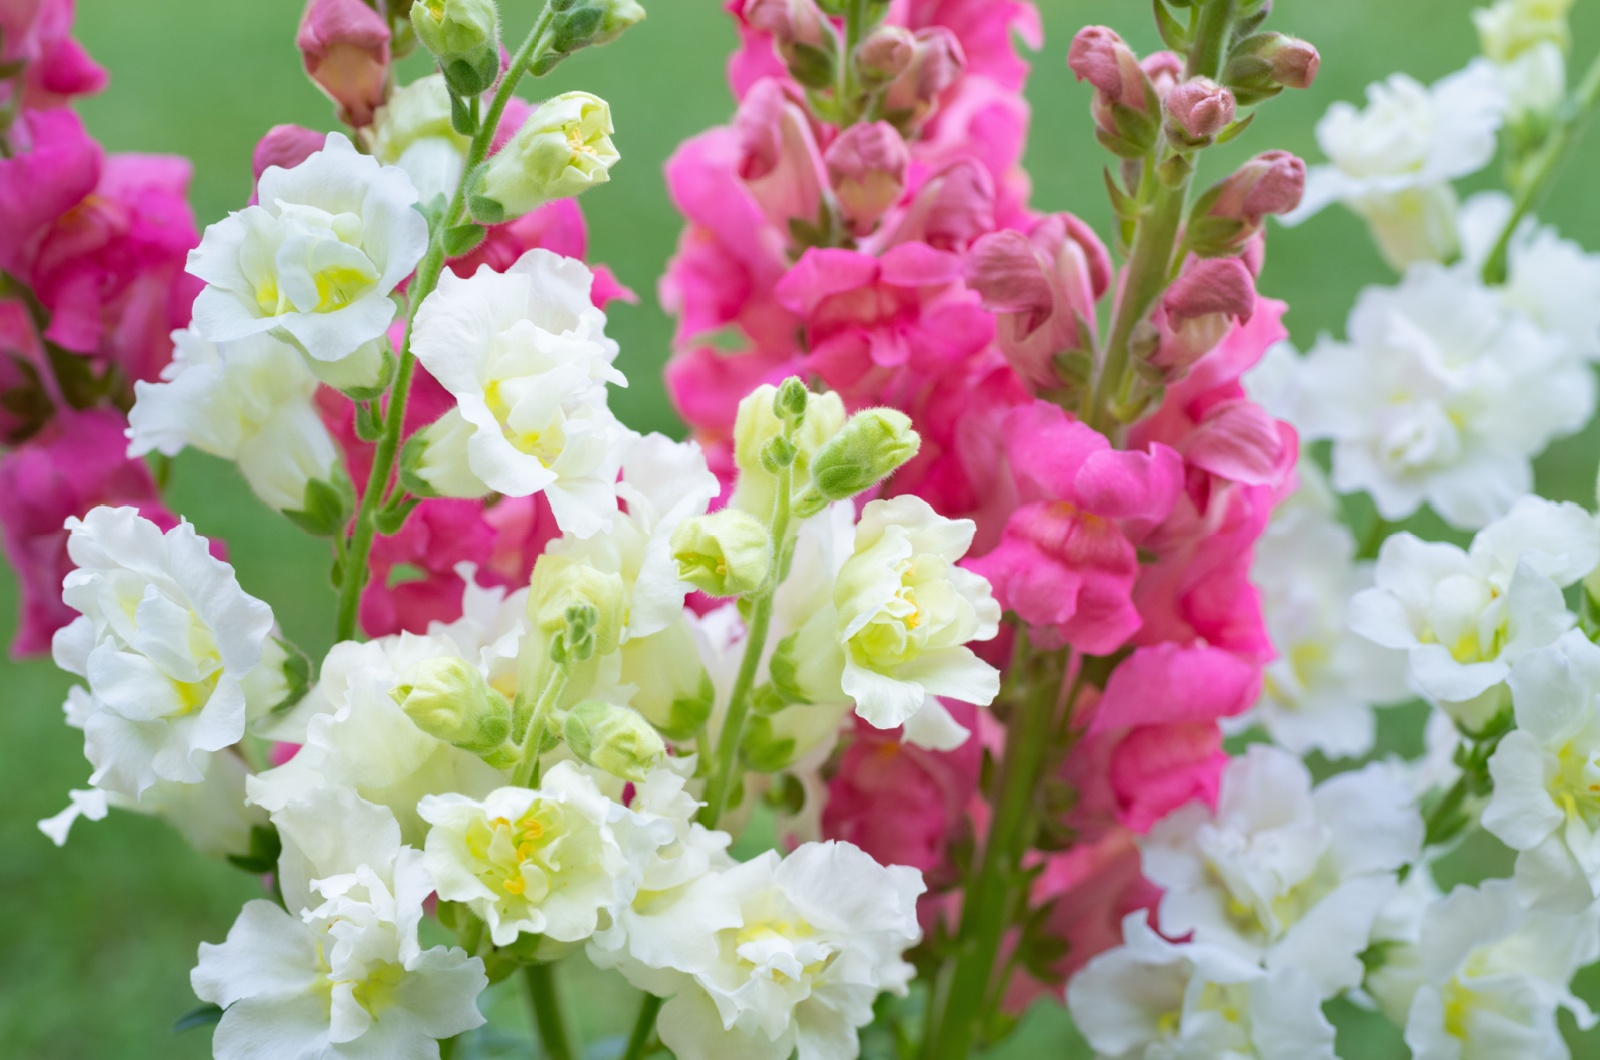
{"x": 989, "y": 898}
{"x": 527, "y": 772}
{"x": 855, "y": 21}
{"x": 1212, "y": 32}
{"x": 364, "y": 530}
{"x": 1569, "y": 129}
{"x": 548, "y": 1014}
{"x": 722, "y": 773}
{"x": 643, "y": 1028}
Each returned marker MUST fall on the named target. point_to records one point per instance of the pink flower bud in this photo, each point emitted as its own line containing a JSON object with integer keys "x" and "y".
{"x": 1164, "y": 69}
{"x": 867, "y": 166}
{"x": 937, "y": 62}
{"x": 1270, "y": 183}
{"x": 954, "y": 207}
{"x": 285, "y": 146}
{"x": 1200, "y": 108}
{"x": 789, "y": 21}
{"x": 778, "y": 156}
{"x": 1043, "y": 288}
{"x": 1100, "y": 57}
{"x": 887, "y": 53}
{"x": 1295, "y": 64}
{"x": 345, "y": 45}
{"x": 1263, "y": 65}
{"x": 1199, "y": 308}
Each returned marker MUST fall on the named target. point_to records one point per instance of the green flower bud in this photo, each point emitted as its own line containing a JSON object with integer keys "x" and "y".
{"x": 365, "y": 375}
{"x": 615, "y": 739}
{"x": 872, "y": 446}
{"x": 434, "y": 461}
{"x": 577, "y": 603}
{"x": 562, "y": 150}
{"x": 726, "y": 553}
{"x": 449, "y": 699}
{"x": 616, "y": 17}
{"x": 464, "y": 35}
{"x": 758, "y": 424}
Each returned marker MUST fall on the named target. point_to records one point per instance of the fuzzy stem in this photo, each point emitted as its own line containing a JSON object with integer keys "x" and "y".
{"x": 527, "y": 771}
{"x": 1570, "y": 127}
{"x": 354, "y": 569}
{"x": 548, "y": 1013}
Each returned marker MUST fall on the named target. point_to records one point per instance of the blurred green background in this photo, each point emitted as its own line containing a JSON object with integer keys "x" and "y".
{"x": 98, "y": 938}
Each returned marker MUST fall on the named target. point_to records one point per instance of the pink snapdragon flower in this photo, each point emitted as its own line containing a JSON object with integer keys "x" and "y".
{"x": 881, "y": 329}
{"x": 38, "y": 34}
{"x": 779, "y": 160}
{"x": 54, "y": 166}
{"x": 73, "y": 465}
{"x": 985, "y": 29}
{"x": 1067, "y": 563}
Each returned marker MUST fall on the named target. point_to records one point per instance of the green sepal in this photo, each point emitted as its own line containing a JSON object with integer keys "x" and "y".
{"x": 485, "y": 210}
{"x": 297, "y": 672}
{"x": 327, "y": 506}
{"x": 411, "y": 479}
{"x": 265, "y": 846}
{"x": 810, "y": 65}
{"x": 391, "y": 519}
{"x": 761, "y": 749}
{"x": 1172, "y": 31}
{"x": 369, "y": 422}
{"x": 463, "y": 239}
{"x": 197, "y": 1017}
{"x": 461, "y": 119}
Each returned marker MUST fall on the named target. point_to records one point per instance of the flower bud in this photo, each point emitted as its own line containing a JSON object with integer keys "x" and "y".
{"x": 937, "y": 62}
{"x": 726, "y": 553}
{"x": 1125, "y": 102}
{"x": 757, "y": 424}
{"x": 434, "y": 461}
{"x": 1260, "y": 67}
{"x": 1229, "y": 214}
{"x": 1165, "y": 71}
{"x": 614, "y": 739}
{"x": 1200, "y": 308}
{"x": 618, "y": 16}
{"x": 806, "y": 41}
{"x": 449, "y": 699}
{"x": 285, "y": 146}
{"x": 1042, "y": 287}
{"x": 1198, "y": 109}
{"x": 1509, "y": 28}
{"x": 464, "y": 35}
{"x": 345, "y": 47}
{"x": 675, "y": 694}
{"x": 868, "y": 166}
{"x": 572, "y": 602}
{"x": 953, "y": 207}
{"x": 873, "y": 445}
{"x": 885, "y": 54}
{"x": 562, "y": 150}
{"x": 778, "y": 156}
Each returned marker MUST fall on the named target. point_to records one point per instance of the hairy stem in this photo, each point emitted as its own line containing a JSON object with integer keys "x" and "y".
{"x": 548, "y": 1014}
{"x": 1570, "y": 127}
{"x": 364, "y": 527}
{"x": 527, "y": 771}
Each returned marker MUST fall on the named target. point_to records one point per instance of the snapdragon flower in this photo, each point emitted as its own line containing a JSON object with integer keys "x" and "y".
{"x": 1441, "y": 396}
{"x": 341, "y": 974}
{"x": 1284, "y": 874}
{"x": 1465, "y": 617}
{"x": 525, "y": 354}
{"x": 412, "y": 132}
{"x": 1393, "y": 162}
{"x": 550, "y": 862}
{"x": 902, "y": 615}
{"x": 318, "y": 258}
{"x": 803, "y": 946}
{"x": 1546, "y": 800}
{"x": 1150, "y": 999}
{"x": 166, "y": 639}
{"x": 1320, "y": 691}
{"x": 248, "y": 401}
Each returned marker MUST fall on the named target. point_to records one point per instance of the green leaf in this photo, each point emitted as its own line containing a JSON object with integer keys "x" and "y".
{"x": 463, "y": 238}
{"x": 485, "y": 210}
{"x": 1233, "y": 131}
{"x": 327, "y": 506}
{"x": 390, "y": 520}
{"x": 461, "y": 119}
{"x": 1172, "y": 31}
{"x": 265, "y": 846}
{"x": 199, "y": 1016}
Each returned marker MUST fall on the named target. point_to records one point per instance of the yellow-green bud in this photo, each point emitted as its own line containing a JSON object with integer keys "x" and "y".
{"x": 568, "y": 593}
{"x": 872, "y": 446}
{"x": 464, "y": 35}
{"x": 726, "y": 553}
{"x": 562, "y": 150}
{"x": 365, "y": 375}
{"x": 616, "y": 739}
{"x": 449, "y": 699}
{"x": 758, "y": 423}
{"x": 619, "y": 16}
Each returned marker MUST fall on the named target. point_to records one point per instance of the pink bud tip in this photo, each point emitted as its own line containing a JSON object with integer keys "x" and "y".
{"x": 1295, "y": 65}
{"x": 1200, "y": 107}
{"x": 285, "y": 146}
{"x": 345, "y": 45}
{"x": 867, "y": 166}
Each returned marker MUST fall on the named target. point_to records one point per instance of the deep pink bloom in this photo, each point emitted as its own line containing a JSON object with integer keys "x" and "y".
{"x": 903, "y": 804}
{"x": 345, "y": 45}
{"x": 779, "y": 161}
{"x": 985, "y": 29}
{"x": 937, "y": 64}
{"x": 55, "y": 165}
{"x": 284, "y": 146}
{"x": 867, "y": 167}
{"x": 73, "y": 465}
{"x": 982, "y": 122}
{"x": 949, "y": 209}
{"x": 1203, "y": 304}
{"x": 880, "y": 329}
{"x": 1099, "y": 56}
{"x": 1067, "y": 563}
{"x": 111, "y": 269}
{"x": 38, "y": 33}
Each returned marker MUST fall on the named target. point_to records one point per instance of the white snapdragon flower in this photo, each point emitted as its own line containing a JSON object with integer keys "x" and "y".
{"x": 412, "y": 131}
{"x": 1553, "y": 281}
{"x": 1280, "y": 872}
{"x": 1486, "y": 977}
{"x": 354, "y": 735}
{"x": 341, "y": 976}
{"x": 1319, "y": 693}
{"x": 1546, "y": 801}
{"x": 525, "y": 355}
{"x": 318, "y": 258}
{"x": 1527, "y": 41}
{"x": 249, "y": 401}
{"x": 551, "y": 862}
{"x": 663, "y": 483}
{"x": 1441, "y": 396}
{"x": 166, "y": 639}
{"x": 1393, "y": 162}
{"x": 803, "y": 946}
{"x": 1150, "y": 999}
{"x": 902, "y": 615}
{"x": 1465, "y": 617}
